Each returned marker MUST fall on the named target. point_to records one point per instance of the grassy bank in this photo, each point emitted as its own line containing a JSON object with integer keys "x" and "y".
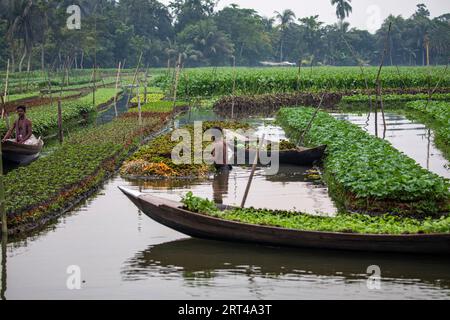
{"x": 368, "y": 174}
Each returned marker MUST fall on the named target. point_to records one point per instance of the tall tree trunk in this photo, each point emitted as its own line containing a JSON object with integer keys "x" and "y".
{"x": 22, "y": 59}
{"x": 281, "y": 50}
{"x": 13, "y": 61}
{"x": 29, "y": 61}
{"x": 43, "y": 57}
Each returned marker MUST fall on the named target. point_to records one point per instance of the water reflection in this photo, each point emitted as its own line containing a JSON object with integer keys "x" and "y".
{"x": 290, "y": 189}
{"x": 410, "y": 137}
{"x": 196, "y": 259}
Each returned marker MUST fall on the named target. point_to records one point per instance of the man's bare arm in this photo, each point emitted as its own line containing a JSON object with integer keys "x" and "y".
{"x": 9, "y": 133}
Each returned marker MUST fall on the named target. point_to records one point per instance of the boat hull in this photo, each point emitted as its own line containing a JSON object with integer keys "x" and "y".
{"x": 171, "y": 214}
{"x": 300, "y": 157}
{"x": 21, "y": 153}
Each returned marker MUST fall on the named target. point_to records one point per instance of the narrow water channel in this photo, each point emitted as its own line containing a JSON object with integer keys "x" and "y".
{"x": 122, "y": 254}
{"x": 411, "y": 137}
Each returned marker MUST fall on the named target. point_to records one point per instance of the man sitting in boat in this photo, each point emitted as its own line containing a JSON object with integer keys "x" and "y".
{"x": 23, "y": 129}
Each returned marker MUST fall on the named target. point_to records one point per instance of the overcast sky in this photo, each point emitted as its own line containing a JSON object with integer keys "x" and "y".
{"x": 367, "y": 14}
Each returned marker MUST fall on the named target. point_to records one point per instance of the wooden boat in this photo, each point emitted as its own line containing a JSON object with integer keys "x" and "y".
{"x": 171, "y": 214}
{"x": 21, "y": 153}
{"x": 298, "y": 157}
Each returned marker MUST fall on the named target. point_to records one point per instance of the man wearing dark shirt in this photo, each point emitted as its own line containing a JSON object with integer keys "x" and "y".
{"x": 23, "y": 127}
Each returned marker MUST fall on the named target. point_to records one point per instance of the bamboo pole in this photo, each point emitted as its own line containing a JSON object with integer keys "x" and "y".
{"x": 437, "y": 85}
{"x": 378, "y": 82}
{"x": 139, "y": 104}
{"x": 252, "y": 174}
{"x": 233, "y": 102}
{"x": 4, "y": 261}
{"x": 117, "y": 85}
{"x": 6, "y": 91}
{"x": 146, "y": 85}
{"x": 60, "y": 124}
{"x": 308, "y": 127}
{"x": 95, "y": 56}
{"x": 177, "y": 78}
{"x": 135, "y": 77}
{"x": 2, "y": 199}
{"x": 366, "y": 82}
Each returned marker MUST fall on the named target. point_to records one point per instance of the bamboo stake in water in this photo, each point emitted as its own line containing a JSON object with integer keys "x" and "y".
{"x": 252, "y": 174}
{"x": 6, "y": 91}
{"x": 60, "y": 125}
{"x": 4, "y": 260}
{"x": 139, "y": 104}
{"x": 308, "y": 127}
{"x": 117, "y": 85}
{"x": 233, "y": 102}
{"x": 2, "y": 198}
{"x": 146, "y": 85}
{"x": 135, "y": 77}
{"x": 366, "y": 82}
{"x": 177, "y": 78}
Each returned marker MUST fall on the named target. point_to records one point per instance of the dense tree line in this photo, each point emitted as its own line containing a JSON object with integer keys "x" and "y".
{"x": 34, "y": 34}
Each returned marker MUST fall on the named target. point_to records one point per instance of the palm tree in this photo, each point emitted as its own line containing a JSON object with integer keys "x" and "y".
{"x": 23, "y": 20}
{"x": 285, "y": 18}
{"x": 343, "y": 9}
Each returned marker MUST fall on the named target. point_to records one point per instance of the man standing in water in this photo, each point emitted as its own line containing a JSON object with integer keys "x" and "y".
{"x": 23, "y": 127}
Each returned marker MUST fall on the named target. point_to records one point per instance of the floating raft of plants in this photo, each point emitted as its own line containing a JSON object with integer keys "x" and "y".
{"x": 53, "y": 184}
{"x": 268, "y": 104}
{"x": 367, "y": 174}
{"x": 45, "y": 118}
{"x": 344, "y": 223}
{"x": 439, "y": 114}
{"x": 154, "y": 160}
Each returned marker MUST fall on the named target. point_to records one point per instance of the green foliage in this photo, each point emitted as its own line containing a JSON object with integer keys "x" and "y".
{"x": 199, "y": 205}
{"x": 396, "y": 97}
{"x": 344, "y": 223}
{"x": 159, "y": 106}
{"x": 45, "y": 118}
{"x": 83, "y": 156}
{"x": 155, "y": 159}
{"x": 366, "y": 172}
{"x": 151, "y": 97}
{"x": 211, "y": 82}
{"x": 439, "y": 111}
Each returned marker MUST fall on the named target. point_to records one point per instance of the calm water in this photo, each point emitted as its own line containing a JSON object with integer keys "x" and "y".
{"x": 122, "y": 254}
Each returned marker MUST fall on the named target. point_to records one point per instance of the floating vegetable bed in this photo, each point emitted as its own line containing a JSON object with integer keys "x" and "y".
{"x": 155, "y": 159}
{"x": 52, "y": 184}
{"x": 268, "y": 104}
{"x": 368, "y": 174}
{"x": 439, "y": 113}
{"x": 346, "y": 223}
{"x": 45, "y": 118}
{"x": 161, "y": 106}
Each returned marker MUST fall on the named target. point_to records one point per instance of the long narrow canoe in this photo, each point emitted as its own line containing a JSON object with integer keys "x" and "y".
{"x": 21, "y": 153}
{"x": 297, "y": 157}
{"x": 171, "y": 214}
